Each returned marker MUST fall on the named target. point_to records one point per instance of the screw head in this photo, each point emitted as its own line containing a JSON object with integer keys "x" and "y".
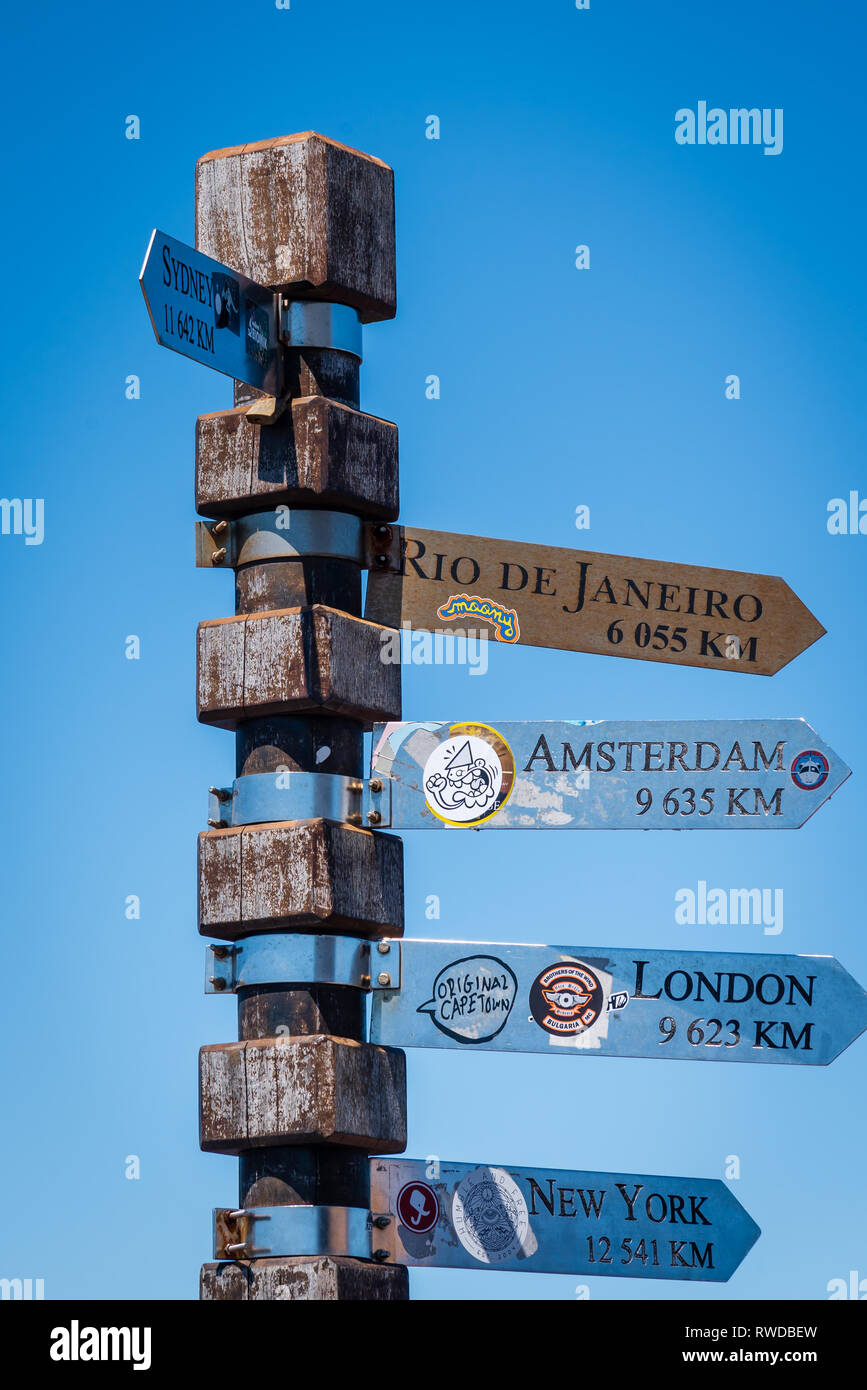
{"x": 383, "y": 947}
{"x": 374, "y": 817}
{"x": 382, "y": 532}
{"x": 380, "y": 1255}
{"x": 384, "y": 978}
{"x": 218, "y": 982}
{"x": 375, "y": 785}
{"x": 218, "y": 556}
{"x": 381, "y": 561}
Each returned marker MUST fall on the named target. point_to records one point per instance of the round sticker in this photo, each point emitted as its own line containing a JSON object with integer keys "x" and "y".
{"x": 417, "y": 1207}
{"x": 810, "y": 770}
{"x": 567, "y": 998}
{"x": 490, "y": 1215}
{"x": 467, "y": 778}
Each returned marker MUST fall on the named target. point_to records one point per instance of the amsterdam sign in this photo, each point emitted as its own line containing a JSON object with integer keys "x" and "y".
{"x": 607, "y": 775}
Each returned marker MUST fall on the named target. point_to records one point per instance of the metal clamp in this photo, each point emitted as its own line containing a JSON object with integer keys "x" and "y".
{"x": 283, "y": 959}
{"x": 281, "y": 796}
{"x": 249, "y": 1233}
{"x": 308, "y": 323}
{"x": 279, "y": 534}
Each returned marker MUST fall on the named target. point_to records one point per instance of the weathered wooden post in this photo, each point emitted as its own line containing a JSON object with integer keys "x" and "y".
{"x": 297, "y": 673}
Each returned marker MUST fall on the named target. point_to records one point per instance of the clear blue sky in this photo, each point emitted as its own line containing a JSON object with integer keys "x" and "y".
{"x": 559, "y": 387}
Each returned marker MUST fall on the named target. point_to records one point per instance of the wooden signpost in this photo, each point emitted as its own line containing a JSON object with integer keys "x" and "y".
{"x": 299, "y": 880}
{"x": 295, "y": 250}
{"x": 581, "y": 601}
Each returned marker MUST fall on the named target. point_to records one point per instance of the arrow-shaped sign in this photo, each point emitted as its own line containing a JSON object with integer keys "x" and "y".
{"x": 553, "y": 1221}
{"x": 607, "y": 775}
{"x": 580, "y": 600}
{"x": 213, "y": 314}
{"x": 591, "y": 1001}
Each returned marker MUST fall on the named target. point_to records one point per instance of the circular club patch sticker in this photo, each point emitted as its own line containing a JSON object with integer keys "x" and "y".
{"x": 567, "y": 998}
{"x": 810, "y": 770}
{"x": 417, "y": 1207}
{"x": 468, "y": 777}
{"x": 490, "y": 1215}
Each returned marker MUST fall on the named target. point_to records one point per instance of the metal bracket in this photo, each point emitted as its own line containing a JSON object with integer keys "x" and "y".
{"x": 386, "y": 965}
{"x": 383, "y": 547}
{"x": 310, "y": 323}
{"x": 279, "y": 534}
{"x": 283, "y": 958}
{"x": 281, "y": 796}
{"x": 249, "y": 1233}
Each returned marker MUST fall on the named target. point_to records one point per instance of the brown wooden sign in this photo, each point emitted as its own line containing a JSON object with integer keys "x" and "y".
{"x": 584, "y": 601}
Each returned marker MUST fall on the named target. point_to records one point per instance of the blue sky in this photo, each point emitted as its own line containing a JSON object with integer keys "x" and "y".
{"x": 559, "y": 387}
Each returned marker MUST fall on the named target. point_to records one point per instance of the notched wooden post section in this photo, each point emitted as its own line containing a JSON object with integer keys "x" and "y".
{"x": 318, "y": 453}
{"x": 298, "y": 674}
{"x": 291, "y": 661}
{"x": 309, "y": 1278}
{"x": 300, "y": 876}
{"x": 302, "y": 1090}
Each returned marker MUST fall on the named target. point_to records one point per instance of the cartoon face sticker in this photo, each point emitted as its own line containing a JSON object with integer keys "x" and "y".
{"x": 468, "y": 777}
{"x": 809, "y": 770}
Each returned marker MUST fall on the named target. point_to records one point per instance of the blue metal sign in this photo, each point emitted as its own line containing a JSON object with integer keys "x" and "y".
{"x": 213, "y": 314}
{"x": 553, "y": 1221}
{"x": 745, "y": 774}
{"x": 592, "y": 1001}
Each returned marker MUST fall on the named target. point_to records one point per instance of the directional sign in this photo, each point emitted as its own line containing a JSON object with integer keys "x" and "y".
{"x": 583, "y": 601}
{"x": 687, "y": 774}
{"x": 591, "y": 1001}
{"x": 211, "y": 313}
{"x": 551, "y": 1221}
